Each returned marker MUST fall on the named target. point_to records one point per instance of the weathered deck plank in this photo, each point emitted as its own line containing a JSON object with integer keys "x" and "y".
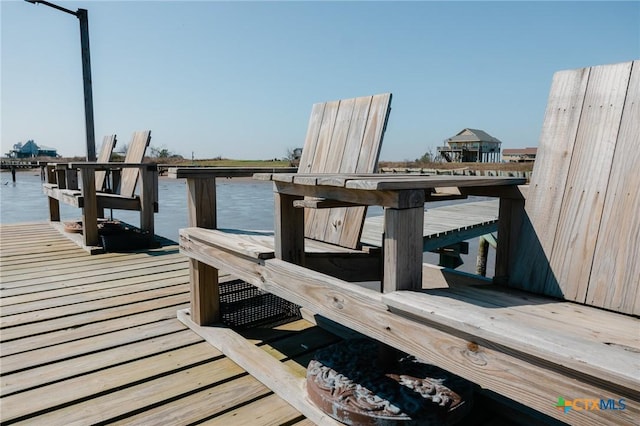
{"x": 444, "y": 225}
{"x": 97, "y": 346}
{"x": 89, "y": 339}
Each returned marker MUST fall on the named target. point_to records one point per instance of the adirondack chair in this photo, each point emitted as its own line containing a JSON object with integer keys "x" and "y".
{"x": 573, "y": 335}
{"x": 61, "y": 177}
{"x": 108, "y": 145}
{"x": 343, "y": 136}
{"x": 95, "y": 196}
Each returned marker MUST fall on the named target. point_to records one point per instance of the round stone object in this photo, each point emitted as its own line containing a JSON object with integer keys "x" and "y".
{"x": 361, "y": 382}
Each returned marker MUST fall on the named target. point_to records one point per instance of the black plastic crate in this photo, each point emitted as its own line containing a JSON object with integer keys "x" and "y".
{"x": 243, "y": 305}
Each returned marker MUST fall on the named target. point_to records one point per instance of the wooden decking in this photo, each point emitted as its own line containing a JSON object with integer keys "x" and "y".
{"x": 95, "y": 340}
{"x": 444, "y": 225}
{"x": 89, "y": 340}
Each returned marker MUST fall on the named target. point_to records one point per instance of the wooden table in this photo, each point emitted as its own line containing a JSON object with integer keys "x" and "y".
{"x": 403, "y": 198}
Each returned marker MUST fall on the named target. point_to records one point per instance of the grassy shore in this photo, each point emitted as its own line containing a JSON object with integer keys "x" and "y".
{"x": 225, "y": 162}
{"x": 521, "y": 167}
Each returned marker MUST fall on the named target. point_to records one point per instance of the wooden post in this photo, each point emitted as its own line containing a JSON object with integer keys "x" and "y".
{"x": 201, "y": 202}
{"x": 61, "y": 176}
{"x": 54, "y": 205}
{"x": 402, "y": 247}
{"x": 83, "y": 17}
{"x": 510, "y": 218}
{"x": 71, "y": 178}
{"x": 204, "y": 280}
{"x": 289, "y": 229}
{"x": 481, "y": 260}
{"x": 148, "y": 199}
{"x": 90, "y": 209}
{"x": 204, "y": 293}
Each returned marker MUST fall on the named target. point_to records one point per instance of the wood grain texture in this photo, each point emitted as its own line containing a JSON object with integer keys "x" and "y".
{"x": 579, "y": 235}
{"x": 311, "y": 138}
{"x": 277, "y": 376}
{"x": 204, "y": 292}
{"x": 500, "y": 369}
{"x": 148, "y": 199}
{"x": 90, "y": 210}
{"x": 588, "y": 176}
{"x": 402, "y": 248}
{"x": 250, "y": 244}
{"x": 201, "y": 203}
{"x": 135, "y": 154}
{"x": 489, "y": 315}
{"x": 95, "y": 339}
{"x": 108, "y": 144}
{"x": 395, "y": 199}
{"x": 349, "y": 137}
{"x": 615, "y": 276}
{"x": 329, "y": 224}
{"x": 289, "y": 229}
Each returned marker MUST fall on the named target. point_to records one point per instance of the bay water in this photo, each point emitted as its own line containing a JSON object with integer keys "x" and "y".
{"x": 242, "y": 203}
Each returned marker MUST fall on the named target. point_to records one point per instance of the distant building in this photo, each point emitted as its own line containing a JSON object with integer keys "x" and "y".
{"x": 297, "y": 153}
{"x": 471, "y": 146}
{"x": 519, "y": 155}
{"x": 30, "y": 150}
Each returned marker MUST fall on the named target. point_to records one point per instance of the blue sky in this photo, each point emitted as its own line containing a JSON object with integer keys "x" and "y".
{"x": 237, "y": 79}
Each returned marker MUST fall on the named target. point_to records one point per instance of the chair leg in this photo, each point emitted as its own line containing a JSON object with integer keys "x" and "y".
{"x": 148, "y": 196}
{"x": 205, "y": 293}
{"x": 54, "y": 210}
{"x": 90, "y": 209}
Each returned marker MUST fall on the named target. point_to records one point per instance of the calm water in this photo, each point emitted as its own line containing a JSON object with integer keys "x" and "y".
{"x": 242, "y": 203}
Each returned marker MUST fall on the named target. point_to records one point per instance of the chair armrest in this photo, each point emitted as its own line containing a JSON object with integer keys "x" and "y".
{"x": 107, "y": 166}
{"x": 214, "y": 172}
{"x": 321, "y": 203}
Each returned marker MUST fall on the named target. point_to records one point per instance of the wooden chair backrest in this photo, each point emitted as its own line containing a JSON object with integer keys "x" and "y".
{"x": 108, "y": 144}
{"x": 343, "y": 136}
{"x": 135, "y": 154}
{"x": 580, "y": 237}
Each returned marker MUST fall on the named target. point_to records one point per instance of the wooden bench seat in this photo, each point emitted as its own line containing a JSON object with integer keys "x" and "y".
{"x": 598, "y": 346}
{"x": 254, "y": 247}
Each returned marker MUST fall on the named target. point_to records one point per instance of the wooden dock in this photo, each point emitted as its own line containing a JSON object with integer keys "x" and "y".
{"x": 444, "y": 225}
{"x": 95, "y": 340}
{"x": 89, "y": 340}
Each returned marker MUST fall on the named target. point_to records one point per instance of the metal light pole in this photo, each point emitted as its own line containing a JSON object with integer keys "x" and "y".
{"x": 82, "y": 16}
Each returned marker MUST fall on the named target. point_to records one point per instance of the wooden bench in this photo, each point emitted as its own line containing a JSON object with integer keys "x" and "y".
{"x": 558, "y": 329}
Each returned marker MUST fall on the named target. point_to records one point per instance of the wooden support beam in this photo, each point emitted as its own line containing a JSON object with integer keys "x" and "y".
{"x": 205, "y": 283}
{"x": 90, "y": 209}
{"x": 289, "y": 229}
{"x": 402, "y": 248}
